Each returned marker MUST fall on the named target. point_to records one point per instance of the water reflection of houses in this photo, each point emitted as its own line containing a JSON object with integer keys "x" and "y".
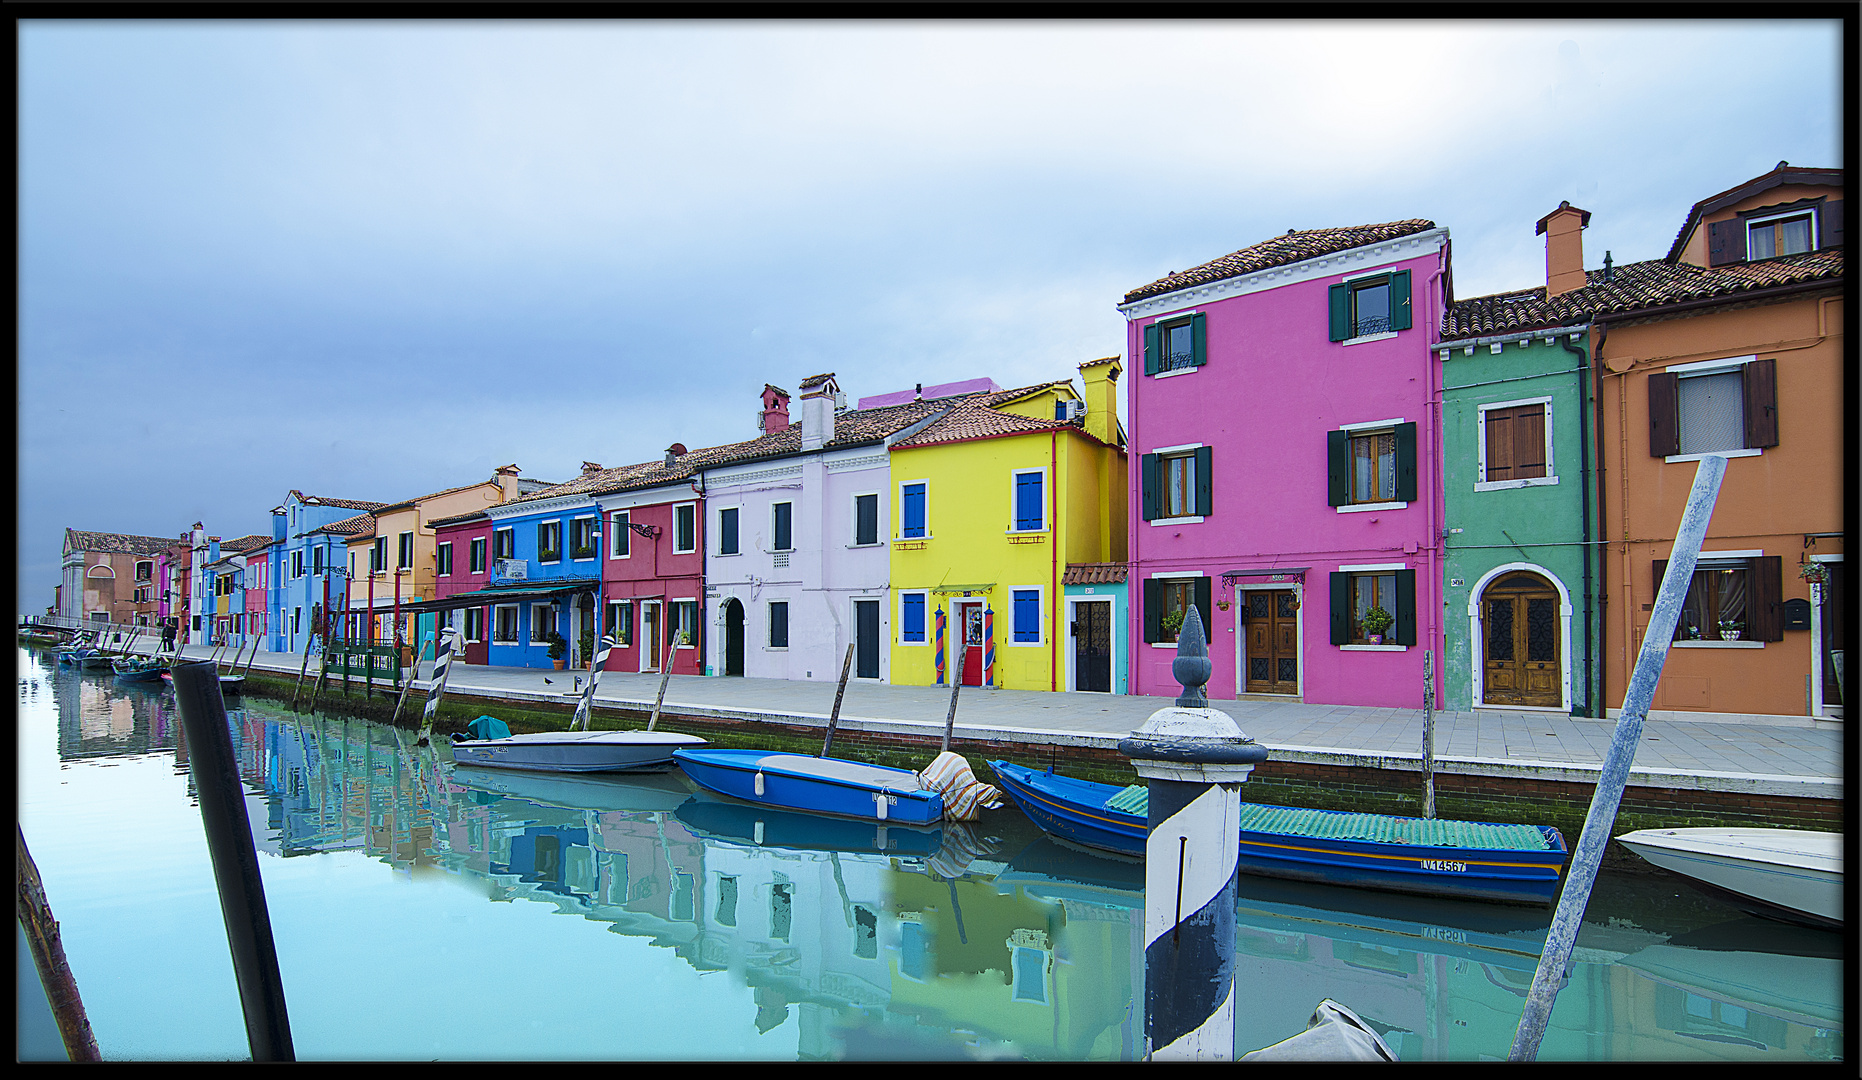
{"x": 99, "y": 717}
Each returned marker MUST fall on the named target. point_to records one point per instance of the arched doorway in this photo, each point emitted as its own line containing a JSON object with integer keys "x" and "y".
{"x": 733, "y": 637}
{"x": 1520, "y": 636}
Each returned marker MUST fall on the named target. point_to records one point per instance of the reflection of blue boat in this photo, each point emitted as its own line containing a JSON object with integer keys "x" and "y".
{"x": 1461, "y": 859}
{"x": 815, "y": 785}
{"x": 760, "y": 826}
{"x": 605, "y": 792}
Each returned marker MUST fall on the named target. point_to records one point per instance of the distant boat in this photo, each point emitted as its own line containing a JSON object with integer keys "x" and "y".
{"x": 575, "y": 751}
{"x": 816, "y": 785}
{"x": 1430, "y": 856}
{"x": 1789, "y": 874}
{"x": 137, "y": 670}
{"x": 95, "y": 661}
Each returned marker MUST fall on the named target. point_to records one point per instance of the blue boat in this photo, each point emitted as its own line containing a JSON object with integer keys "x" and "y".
{"x": 815, "y": 785}
{"x": 1430, "y": 856}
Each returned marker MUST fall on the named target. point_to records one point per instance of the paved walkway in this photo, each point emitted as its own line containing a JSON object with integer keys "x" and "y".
{"x": 1776, "y": 759}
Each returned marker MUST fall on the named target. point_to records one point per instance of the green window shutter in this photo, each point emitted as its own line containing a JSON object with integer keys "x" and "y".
{"x": 1205, "y": 482}
{"x": 1201, "y": 596}
{"x": 1341, "y": 608}
{"x": 1152, "y": 348}
{"x": 1341, "y": 312}
{"x": 1405, "y": 612}
{"x": 1152, "y": 489}
{"x": 1199, "y": 341}
{"x": 1406, "y": 462}
{"x": 1337, "y": 468}
{"x": 1153, "y": 609}
{"x": 1399, "y": 301}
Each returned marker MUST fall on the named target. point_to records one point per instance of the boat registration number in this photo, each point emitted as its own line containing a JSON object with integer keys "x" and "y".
{"x": 1445, "y": 865}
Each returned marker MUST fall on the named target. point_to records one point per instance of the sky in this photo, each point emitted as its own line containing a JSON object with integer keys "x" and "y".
{"x": 376, "y": 259}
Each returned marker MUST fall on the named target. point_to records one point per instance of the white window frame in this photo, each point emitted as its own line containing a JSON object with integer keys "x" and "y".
{"x": 510, "y": 532}
{"x": 561, "y": 545}
{"x": 1480, "y": 434}
{"x": 535, "y": 638}
{"x": 673, "y": 602}
{"x": 1809, "y": 212}
{"x": 879, "y": 518}
{"x": 1712, "y": 367}
{"x": 443, "y": 560}
{"x": 620, "y": 532}
{"x": 404, "y": 546}
{"x": 930, "y": 628}
{"x": 481, "y": 545}
{"x": 468, "y": 628}
{"x": 903, "y": 484}
{"x": 515, "y": 638}
{"x": 720, "y": 552}
{"x": 692, "y": 507}
{"x": 1371, "y": 427}
{"x": 1041, "y": 620}
{"x": 1015, "y": 476}
{"x": 1390, "y": 272}
{"x": 595, "y": 534}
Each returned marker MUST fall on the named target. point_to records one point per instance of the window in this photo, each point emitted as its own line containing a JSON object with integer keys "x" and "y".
{"x": 1731, "y": 599}
{"x": 784, "y": 527}
{"x": 297, "y": 563}
{"x": 1357, "y": 590}
{"x": 1167, "y": 601}
{"x": 1515, "y": 443}
{"x": 621, "y": 622}
{"x": 866, "y": 519}
{"x": 1378, "y": 304}
{"x": 582, "y": 538}
{"x": 352, "y": 564}
{"x": 476, "y": 553}
{"x": 1178, "y": 482}
{"x": 378, "y": 555}
{"x": 145, "y": 571}
{"x": 443, "y": 560}
{"x": 542, "y": 623}
{"x": 1175, "y": 343}
{"x": 1793, "y": 234}
{"x": 1029, "y": 507}
{"x": 1780, "y": 229}
{"x": 1026, "y": 605}
{"x": 1371, "y": 465}
{"x": 727, "y": 531}
{"x": 912, "y": 518}
{"x": 475, "y": 624}
{"x": 297, "y": 616}
{"x": 504, "y": 624}
{"x": 685, "y": 622}
{"x": 549, "y": 541}
{"x": 684, "y": 529}
{"x": 504, "y": 543}
{"x": 622, "y": 535}
{"x": 404, "y": 551}
{"x": 779, "y": 624}
{"x": 912, "y": 618}
{"x": 1713, "y": 407}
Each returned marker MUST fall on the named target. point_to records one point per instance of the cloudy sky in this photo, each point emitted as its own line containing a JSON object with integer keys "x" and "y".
{"x": 376, "y": 259}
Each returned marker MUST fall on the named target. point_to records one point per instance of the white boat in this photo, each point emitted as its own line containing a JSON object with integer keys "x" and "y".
{"x": 575, "y": 751}
{"x": 1783, "y": 873}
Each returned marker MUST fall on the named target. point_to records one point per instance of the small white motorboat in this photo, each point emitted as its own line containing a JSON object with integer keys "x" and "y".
{"x": 575, "y": 751}
{"x": 1782, "y": 873}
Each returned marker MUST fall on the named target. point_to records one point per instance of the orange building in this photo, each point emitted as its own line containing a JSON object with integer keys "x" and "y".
{"x": 1731, "y": 345}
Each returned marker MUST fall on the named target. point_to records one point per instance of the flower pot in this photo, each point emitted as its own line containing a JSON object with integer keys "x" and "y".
{"x": 560, "y": 664}
{"x": 1375, "y": 639}
{"x": 1729, "y": 635}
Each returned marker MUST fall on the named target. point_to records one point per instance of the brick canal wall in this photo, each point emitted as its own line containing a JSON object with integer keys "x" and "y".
{"x": 1512, "y": 799}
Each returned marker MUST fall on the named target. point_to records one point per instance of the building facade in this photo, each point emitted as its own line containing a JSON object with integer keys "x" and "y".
{"x": 311, "y": 570}
{"x": 110, "y": 577}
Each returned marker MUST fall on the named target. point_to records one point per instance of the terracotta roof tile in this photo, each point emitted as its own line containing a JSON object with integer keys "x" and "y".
{"x": 1295, "y": 246}
{"x": 1785, "y": 173}
{"x": 346, "y": 504}
{"x": 1103, "y": 573}
{"x": 359, "y": 525}
{"x": 104, "y": 543}
{"x": 1634, "y": 287}
{"x": 976, "y": 420}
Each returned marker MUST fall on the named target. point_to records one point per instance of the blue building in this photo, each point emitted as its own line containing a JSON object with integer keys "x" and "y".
{"x": 309, "y": 543}
{"x": 546, "y": 573}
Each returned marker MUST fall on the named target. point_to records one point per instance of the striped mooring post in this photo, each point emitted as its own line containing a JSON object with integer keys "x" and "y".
{"x": 989, "y": 646}
{"x": 1194, "y": 759}
{"x": 586, "y": 705}
{"x": 938, "y": 655}
{"x": 442, "y": 661}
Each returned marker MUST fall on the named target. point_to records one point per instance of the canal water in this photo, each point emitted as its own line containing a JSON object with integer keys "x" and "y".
{"x": 423, "y": 911}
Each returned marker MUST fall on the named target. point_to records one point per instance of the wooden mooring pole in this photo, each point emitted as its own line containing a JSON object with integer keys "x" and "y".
{"x": 665, "y": 673}
{"x": 301, "y": 669}
{"x": 834, "y": 717}
{"x": 950, "y": 718}
{"x": 48, "y": 954}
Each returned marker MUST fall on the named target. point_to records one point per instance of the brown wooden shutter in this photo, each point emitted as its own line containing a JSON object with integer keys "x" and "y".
{"x": 1726, "y": 242}
{"x": 1661, "y": 568}
{"x": 1830, "y": 224}
{"x": 1529, "y": 441}
{"x": 1499, "y": 444}
{"x": 1664, "y": 414}
{"x": 1761, "y": 397}
{"x": 1765, "y": 598}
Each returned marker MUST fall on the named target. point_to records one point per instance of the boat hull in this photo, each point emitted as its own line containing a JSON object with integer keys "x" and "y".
{"x": 1074, "y": 810}
{"x": 814, "y": 785}
{"x": 575, "y": 751}
{"x": 1783, "y": 873}
{"x": 765, "y": 826}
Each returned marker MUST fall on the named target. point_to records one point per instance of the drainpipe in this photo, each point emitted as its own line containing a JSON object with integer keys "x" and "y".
{"x": 1585, "y": 708}
{"x": 1053, "y": 576}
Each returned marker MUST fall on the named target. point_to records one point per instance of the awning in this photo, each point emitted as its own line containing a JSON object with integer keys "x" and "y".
{"x": 962, "y": 590}
{"x": 502, "y": 594}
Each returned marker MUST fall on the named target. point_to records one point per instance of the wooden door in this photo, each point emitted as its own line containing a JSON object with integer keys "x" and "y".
{"x": 649, "y": 637}
{"x": 1519, "y": 633}
{"x": 1092, "y": 646}
{"x": 866, "y": 639}
{"x": 1272, "y": 617}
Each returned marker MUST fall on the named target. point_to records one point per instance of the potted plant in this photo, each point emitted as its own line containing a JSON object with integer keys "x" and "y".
{"x": 1173, "y": 623}
{"x": 1730, "y": 628}
{"x": 588, "y": 643}
{"x": 557, "y": 648}
{"x": 1376, "y": 621}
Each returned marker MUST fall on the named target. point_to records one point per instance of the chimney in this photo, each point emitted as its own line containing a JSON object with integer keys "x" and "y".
{"x": 674, "y": 453}
{"x": 1100, "y": 379}
{"x": 505, "y": 476}
{"x": 590, "y": 467}
{"x": 775, "y": 415}
{"x": 820, "y": 395}
{"x": 1564, "y": 248}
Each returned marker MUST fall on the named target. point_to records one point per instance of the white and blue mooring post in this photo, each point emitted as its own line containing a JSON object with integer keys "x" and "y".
{"x": 1195, "y": 760}
{"x": 442, "y": 662}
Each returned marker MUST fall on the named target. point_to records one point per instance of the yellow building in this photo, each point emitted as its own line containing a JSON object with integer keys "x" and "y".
{"x": 989, "y": 505}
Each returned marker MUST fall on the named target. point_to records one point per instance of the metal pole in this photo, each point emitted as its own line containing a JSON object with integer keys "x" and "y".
{"x": 1554, "y": 961}
{"x": 834, "y": 717}
{"x": 1428, "y": 734}
{"x": 235, "y": 861}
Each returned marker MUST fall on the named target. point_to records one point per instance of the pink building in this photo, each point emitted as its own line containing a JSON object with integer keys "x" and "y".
{"x": 1285, "y": 429}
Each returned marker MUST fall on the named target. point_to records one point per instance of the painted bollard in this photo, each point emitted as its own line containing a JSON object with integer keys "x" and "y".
{"x": 1194, "y": 759}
